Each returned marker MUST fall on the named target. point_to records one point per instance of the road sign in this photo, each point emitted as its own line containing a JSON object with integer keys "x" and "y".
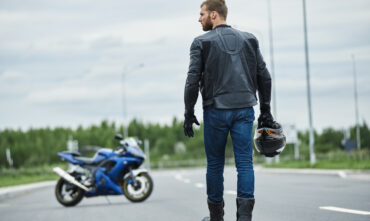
{"x": 9, "y": 157}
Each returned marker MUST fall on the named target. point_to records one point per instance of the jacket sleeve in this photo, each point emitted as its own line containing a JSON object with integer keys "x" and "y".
{"x": 263, "y": 81}
{"x": 193, "y": 78}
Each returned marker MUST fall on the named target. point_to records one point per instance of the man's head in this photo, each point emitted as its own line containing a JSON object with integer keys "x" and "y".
{"x": 212, "y": 12}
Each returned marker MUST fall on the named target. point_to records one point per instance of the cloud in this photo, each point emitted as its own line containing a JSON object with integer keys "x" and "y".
{"x": 64, "y": 60}
{"x": 12, "y": 76}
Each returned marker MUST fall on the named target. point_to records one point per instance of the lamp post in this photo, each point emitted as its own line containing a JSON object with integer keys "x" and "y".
{"x": 124, "y": 94}
{"x": 312, "y": 141}
{"x": 272, "y": 70}
{"x": 272, "y": 60}
{"x": 356, "y": 103}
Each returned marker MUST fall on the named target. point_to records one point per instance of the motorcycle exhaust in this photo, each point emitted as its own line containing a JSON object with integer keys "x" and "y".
{"x": 69, "y": 178}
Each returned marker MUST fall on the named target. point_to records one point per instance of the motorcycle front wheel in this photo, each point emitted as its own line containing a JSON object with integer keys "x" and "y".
{"x": 139, "y": 192}
{"x": 68, "y": 194}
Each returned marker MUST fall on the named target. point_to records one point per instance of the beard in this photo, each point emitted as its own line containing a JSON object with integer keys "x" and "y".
{"x": 208, "y": 25}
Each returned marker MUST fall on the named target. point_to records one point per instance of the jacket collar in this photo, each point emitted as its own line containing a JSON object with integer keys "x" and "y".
{"x": 223, "y": 25}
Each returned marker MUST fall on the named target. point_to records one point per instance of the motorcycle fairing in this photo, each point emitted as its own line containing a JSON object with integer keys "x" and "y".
{"x": 104, "y": 185}
{"x": 107, "y": 182}
{"x": 120, "y": 164}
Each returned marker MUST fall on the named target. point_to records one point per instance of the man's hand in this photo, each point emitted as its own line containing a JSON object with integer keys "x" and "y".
{"x": 188, "y": 125}
{"x": 266, "y": 120}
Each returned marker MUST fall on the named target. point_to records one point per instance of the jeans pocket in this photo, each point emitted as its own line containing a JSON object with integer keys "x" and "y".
{"x": 249, "y": 114}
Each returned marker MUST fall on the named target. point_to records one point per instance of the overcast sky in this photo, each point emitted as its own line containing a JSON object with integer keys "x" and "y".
{"x": 61, "y": 61}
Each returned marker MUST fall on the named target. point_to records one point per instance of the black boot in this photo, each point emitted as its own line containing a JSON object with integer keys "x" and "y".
{"x": 245, "y": 208}
{"x": 216, "y": 211}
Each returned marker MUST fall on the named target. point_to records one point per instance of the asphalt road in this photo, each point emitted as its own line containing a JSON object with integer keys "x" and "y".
{"x": 180, "y": 195}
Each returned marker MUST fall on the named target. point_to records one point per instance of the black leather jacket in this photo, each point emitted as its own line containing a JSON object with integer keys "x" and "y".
{"x": 227, "y": 66}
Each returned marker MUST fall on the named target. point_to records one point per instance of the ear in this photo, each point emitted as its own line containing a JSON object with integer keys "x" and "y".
{"x": 213, "y": 15}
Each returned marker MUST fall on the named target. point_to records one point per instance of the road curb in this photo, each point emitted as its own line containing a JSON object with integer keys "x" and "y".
{"x": 355, "y": 174}
{"x": 12, "y": 191}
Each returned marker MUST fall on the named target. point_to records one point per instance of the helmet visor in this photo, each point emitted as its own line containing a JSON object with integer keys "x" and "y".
{"x": 278, "y": 133}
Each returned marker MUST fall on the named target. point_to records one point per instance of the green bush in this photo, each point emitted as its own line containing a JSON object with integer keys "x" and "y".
{"x": 40, "y": 146}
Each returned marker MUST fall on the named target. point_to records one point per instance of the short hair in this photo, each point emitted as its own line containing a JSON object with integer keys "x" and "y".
{"x": 216, "y": 5}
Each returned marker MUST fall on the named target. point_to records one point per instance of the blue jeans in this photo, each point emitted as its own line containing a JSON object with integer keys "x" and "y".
{"x": 217, "y": 125}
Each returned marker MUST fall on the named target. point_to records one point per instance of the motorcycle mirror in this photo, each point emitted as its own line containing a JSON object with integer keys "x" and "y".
{"x": 118, "y": 137}
{"x": 139, "y": 142}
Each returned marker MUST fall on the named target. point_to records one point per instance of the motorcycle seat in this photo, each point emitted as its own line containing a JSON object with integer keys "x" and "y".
{"x": 85, "y": 160}
{"x": 73, "y": 153}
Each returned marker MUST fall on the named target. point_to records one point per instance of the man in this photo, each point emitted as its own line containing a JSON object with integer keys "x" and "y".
{"x": 227, "y": 67}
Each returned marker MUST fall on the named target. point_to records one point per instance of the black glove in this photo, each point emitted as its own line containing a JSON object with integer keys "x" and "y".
{"x": 265, "y": 119}
{"x": 188, "y": 125}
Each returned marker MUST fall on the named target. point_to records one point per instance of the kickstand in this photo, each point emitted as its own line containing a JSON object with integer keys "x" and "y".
{"x": 108, "y": 200}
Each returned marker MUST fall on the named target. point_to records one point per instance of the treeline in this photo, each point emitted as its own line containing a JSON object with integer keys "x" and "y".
{"x": 40, "y": 146}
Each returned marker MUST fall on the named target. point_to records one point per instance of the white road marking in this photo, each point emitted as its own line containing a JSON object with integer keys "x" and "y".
{"x": 342, "y": 174}
{"x": 343, "y": 210}
{"x": 178, "y": 177}
{"x": 231, "y": 192}
{"x": 199, "y": 185}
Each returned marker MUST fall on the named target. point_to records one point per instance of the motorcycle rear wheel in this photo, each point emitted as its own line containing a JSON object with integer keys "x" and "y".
{"x": 143, "y": 189}
{"x": 68, "y": 194}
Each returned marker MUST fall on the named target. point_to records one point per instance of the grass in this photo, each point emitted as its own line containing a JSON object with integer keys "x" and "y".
{"x": 11, "y": 177}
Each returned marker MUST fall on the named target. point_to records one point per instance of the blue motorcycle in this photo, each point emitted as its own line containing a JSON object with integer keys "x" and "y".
{"x": 109, "y": 172}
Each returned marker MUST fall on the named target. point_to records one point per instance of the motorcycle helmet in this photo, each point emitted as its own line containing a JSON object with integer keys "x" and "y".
{"x": 269, "y": 142}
